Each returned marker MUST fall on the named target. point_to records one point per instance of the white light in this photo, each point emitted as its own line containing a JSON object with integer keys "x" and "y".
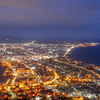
{"x": 89, "y": 95}
{"x": 37, "y": 98}
{"x": 48, "y": 96}
{"x": 15, "y": 74}
{"x": 33, "y": 67}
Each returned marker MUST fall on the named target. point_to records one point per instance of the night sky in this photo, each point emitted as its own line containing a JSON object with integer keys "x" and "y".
{"x": 44, "y": 19}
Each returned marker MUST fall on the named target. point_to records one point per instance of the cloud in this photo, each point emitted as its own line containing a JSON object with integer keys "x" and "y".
{"x": 67, "y": 15}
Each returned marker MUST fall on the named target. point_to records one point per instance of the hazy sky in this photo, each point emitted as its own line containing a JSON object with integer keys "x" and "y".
{"x": 50, "y": 18}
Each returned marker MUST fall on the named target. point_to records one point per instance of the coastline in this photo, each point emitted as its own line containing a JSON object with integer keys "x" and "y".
{"x": 77, "y": 59}
{"x": 2, "y": 78}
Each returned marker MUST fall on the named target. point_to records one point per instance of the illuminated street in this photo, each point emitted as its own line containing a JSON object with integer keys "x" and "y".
{"x": 34, "y": 70}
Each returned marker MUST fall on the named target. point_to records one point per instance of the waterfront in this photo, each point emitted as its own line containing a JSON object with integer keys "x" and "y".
{"x": 37, "y": 69}
{"x": 2, "y": 78}
{"x": 89, "y": 55}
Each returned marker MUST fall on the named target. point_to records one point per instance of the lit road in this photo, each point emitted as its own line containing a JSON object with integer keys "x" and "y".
{"x": 79, "y": 67}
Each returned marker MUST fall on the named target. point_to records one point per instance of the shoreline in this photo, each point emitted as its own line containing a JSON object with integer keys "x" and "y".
{"x": 2, "y": 78}
{"x": 86, "y": 65}
{"x": 69, "y": 55}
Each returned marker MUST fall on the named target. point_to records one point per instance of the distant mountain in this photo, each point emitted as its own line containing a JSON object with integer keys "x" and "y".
{"x": 11, "y": 39}
{"x": 8, "y": 39}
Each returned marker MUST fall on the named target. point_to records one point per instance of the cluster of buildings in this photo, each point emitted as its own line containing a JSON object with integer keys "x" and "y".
{"x": 41, "y": 71}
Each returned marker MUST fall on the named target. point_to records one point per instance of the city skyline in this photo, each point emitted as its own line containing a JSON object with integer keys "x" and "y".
{"x": 38, "y": 44}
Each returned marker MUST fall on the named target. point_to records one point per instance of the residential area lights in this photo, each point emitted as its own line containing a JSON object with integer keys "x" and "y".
{"x": 46, "y": 71}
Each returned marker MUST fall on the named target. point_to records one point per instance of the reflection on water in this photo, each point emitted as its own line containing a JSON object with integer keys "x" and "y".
{"x": 2, "y": 78}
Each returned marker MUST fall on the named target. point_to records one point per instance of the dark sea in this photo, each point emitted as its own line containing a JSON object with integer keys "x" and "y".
{"x": 89, "y": 55}
{"x": 2, "y": 78}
